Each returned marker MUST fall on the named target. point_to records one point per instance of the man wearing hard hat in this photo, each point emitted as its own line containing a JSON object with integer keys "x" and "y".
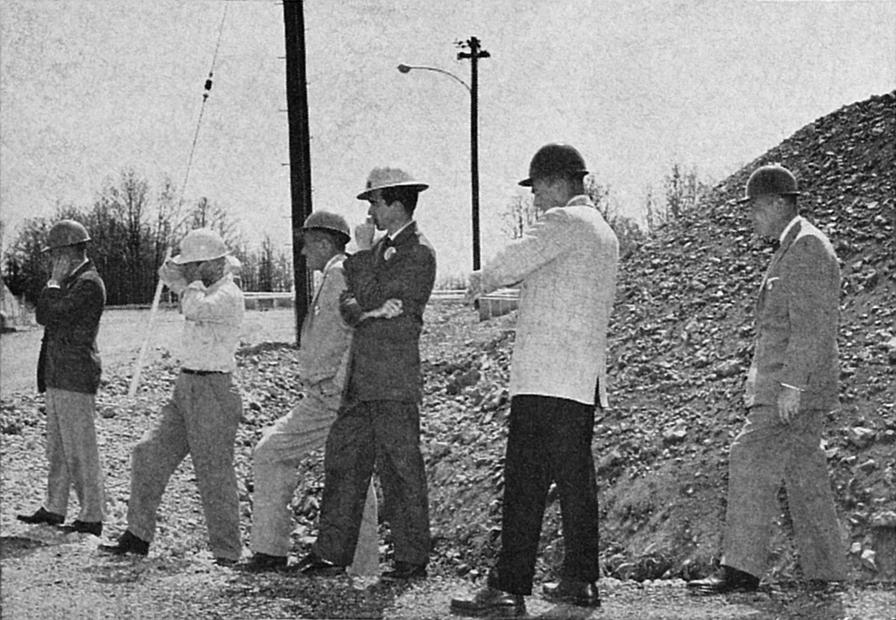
{"x": 69, "y": 308}
{"x": 380, "y": 419}
{"x": 202, "y": 415}
{"x": 322, "y": 361}
{"x": 791, "y": 385}
{"x": 567, "y": 266}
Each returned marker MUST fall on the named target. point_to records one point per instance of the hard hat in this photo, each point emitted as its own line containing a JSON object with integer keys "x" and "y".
{"x": 381, "y": 178}
{"x": 553, "y": 159}
{"x": 773, "y": 179}
{"x": 324, "y": 220}
{"x": 201, "y": 244}
{"x": 65, "y": 233}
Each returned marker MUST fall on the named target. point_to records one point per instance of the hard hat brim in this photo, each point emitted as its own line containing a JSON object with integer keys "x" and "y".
{"x": 747, "y": 199}
{"x": 303, "y": 230}
{"x": 180, "y": 260}
{"x": 411, "y": 184}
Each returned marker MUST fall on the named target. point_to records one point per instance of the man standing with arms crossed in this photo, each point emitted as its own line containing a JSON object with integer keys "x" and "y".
{"x": 380, "y": 417}
{"x": 791, "y": 385}
{"x": 566, "y": 266}
{"x": 322, "y": 363}
{"x": 69, "y": 308}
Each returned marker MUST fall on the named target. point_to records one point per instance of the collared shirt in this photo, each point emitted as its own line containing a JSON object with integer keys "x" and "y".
{"x": 212, "y": 328}
{"x": 796, "y": 219}
{"x": 393, "y": 235}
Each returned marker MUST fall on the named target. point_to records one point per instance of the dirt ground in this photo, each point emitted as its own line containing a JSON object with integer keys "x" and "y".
{"x": 46, "y": 574}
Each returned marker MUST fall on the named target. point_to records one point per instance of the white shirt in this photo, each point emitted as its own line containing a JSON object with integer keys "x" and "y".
{"x": 213, "y": 316}
{"x": 796, "y": 219}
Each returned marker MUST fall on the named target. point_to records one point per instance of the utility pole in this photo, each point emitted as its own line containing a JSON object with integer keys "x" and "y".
{"x": 476, "y": 52}
{"x": 299, "y": 150}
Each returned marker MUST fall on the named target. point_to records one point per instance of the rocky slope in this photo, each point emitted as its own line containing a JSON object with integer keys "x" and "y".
{"x": 681, "y": 342}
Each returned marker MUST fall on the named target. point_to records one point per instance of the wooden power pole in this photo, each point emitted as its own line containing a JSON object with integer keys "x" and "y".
{"x": 299, "y": 149}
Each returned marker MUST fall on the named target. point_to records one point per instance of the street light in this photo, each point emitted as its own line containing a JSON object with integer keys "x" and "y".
{"x": 475, "y": 53}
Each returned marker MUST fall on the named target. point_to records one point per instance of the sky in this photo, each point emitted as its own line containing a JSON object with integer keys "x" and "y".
{"x": 91, "y": 87}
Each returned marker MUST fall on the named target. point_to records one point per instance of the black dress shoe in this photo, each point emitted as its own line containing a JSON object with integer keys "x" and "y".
{"x": 315, "y": 566}
{"x": 726, "y": 580}
{"x": 225, "y": 562}
{"x": 490, "y": 603}
{"x": 84, "y": 527}
{"x": 42, "y": 516}
{"x": 263, "y": 562}
{"x": 127, "y": 543}
{"x": 572, "y": 591}
{"x": 403, "y": 571}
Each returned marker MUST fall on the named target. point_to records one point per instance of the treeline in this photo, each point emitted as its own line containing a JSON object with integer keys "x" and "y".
{"x": 131, "y": 228}
{"x": 682, "y": 191}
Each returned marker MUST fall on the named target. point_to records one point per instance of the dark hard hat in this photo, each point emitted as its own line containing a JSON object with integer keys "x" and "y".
{"x": 553, "y": 159}
{"x": 773, "y": 179}
{"x": 65, "y": 233}
{"x": 324, "y": 220}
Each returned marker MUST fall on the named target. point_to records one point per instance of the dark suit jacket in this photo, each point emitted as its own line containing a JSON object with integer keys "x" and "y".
{"x": 385, "y": 355}
{"x": 69, "y": 358}
{"x": 797, "y": 314}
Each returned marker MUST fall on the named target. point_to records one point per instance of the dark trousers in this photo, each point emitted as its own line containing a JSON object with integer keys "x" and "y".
{"x": 549, "y": 441}
{"x": 385, "y": 433}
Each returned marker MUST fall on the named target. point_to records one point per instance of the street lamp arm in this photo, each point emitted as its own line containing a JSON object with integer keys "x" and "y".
{"x": 407, "y": 68}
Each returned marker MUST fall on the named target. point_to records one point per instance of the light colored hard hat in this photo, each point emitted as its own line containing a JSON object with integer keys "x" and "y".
{"x": 201, "y": 244}
{"x": 381, "y": 178}
{"x": 324, "y": 220}
{"x": 65, "y": 233}
{"x": 773, "y": 179}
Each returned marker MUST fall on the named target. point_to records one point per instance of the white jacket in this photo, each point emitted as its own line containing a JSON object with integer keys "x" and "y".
{"x": 566, "y": 265}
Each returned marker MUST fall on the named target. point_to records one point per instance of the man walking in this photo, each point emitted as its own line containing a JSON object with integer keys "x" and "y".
{"x": 321, "y": 368}
{"x": 204, "y": 411}
{"x": 68, "y": 370}
{"x": 566, "y": 265}
{"x": 791, "y": 385}
{"x": 380, "y": 419}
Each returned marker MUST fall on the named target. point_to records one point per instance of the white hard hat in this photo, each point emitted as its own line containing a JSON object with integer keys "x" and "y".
{"x": 381, "y": 178}
{"x": 201, "y": 244}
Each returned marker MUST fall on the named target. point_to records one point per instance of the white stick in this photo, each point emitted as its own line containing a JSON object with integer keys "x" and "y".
{"x": 138, "y": 367}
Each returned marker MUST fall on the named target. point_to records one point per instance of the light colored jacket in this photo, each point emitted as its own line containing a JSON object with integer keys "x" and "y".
{"x": 797, "y": 314}
{"x": 213, "y": 316}
{"x": 566, "y": 264}
{"x": 323, "y": 354}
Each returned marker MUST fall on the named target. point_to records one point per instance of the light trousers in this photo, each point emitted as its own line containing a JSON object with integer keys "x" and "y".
{"x": 200, "y": 420}
{"x": 765, "y": 454}
{"x": 275, "y": 462}
{"x": 72, "y": 454}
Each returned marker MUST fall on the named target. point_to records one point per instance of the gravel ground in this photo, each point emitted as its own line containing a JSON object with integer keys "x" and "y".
{"x": 46, "y": 574}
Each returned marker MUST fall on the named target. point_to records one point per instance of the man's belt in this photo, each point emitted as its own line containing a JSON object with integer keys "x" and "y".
{"x": 202, "y": 373}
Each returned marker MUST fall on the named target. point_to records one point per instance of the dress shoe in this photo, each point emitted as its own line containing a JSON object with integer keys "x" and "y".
{"x": 726, "y": 580}
{"x": 84, "y": 527}
{"x": 490, "y": 603}
{"x": 225, "y": 562}
{"x": 127, "y": 543}
{"x": 572, "y": 591}
{"x": 263, "y": 562}
{"x": 403, "y": 571}
{"x": 315, "y": 566}
{"x": 42, "y": 516}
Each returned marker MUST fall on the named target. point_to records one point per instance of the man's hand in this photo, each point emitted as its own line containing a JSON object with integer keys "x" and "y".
{"x": 60, "y": 269}
{"x": 474, "y": 288}
{"x": 788, "y": 403}
{"x": 364, "y": 234}
{"x": 389, "y": 310}
{"x": 172, "y": 275}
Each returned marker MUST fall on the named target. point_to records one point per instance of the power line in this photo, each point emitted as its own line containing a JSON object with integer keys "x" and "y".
{"x": 205, "y": 94}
